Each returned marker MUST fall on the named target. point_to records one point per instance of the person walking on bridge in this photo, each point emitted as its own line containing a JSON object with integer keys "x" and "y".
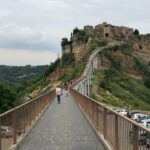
{"x": 66, "y": 89}
{"x": 58, "y": 93}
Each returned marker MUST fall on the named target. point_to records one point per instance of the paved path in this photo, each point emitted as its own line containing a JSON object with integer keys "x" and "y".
{"x": 62, "y": 127}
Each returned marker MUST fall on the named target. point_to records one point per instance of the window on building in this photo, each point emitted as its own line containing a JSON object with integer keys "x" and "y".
{"x": 106, "y": 35}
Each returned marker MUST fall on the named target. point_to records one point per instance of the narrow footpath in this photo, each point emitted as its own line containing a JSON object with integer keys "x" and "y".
{"x": 62, "y": 127}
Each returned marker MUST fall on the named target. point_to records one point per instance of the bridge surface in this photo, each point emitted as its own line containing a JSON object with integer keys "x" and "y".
{"x": 62, "y": 127}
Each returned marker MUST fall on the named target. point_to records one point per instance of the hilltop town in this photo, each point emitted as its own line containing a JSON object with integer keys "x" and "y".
{"x": 80, "y": 39}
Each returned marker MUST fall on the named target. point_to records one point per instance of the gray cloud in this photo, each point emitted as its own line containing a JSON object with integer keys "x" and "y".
{"x": 18, "y": 37}
{"x": 40, "y": 24}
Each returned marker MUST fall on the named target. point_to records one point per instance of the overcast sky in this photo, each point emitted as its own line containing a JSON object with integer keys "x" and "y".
{"x": 31, "y": 30}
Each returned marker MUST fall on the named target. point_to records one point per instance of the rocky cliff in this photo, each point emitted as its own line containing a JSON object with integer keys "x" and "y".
{"x": 80, "y": 40}
{"x": 83, "y": 41}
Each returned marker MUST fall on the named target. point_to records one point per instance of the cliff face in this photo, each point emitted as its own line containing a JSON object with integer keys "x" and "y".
{"x": 141, "y": 47}
{"x": 80, "y": 48}
{"x": 129, "y": 57}
{"x": 83, "y": 41}
{"x": 123, "y": 68}
{"x": 126, "y": 64}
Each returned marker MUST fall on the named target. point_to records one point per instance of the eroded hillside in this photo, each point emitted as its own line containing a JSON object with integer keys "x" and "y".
{"x": 123, "y": 67}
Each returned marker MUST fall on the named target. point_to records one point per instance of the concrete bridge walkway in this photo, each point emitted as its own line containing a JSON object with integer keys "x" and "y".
{"x": 62, "y": 127}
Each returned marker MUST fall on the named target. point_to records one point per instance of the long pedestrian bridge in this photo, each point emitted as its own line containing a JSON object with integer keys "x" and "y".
{"x": 78, "y": 123}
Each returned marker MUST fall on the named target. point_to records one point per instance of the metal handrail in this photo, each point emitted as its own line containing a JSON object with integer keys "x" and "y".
{"x": 17, "y": 121}
{"x": 18, "y": 107}
{"x": 118, "y": 131}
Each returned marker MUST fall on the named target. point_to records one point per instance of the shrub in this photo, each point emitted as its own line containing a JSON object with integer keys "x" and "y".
{"x": 74, "y": 74}
{"x": 80, "y": 34}
{"x": 76, "y": 30}
{"x": 101, "y": 43}
{"x": 136, "y": 32}
{"x": 68, "y": 58}
{"x": 52, "y": 67}
{"x": 141, "y": 66}
{"x": 117, "y": 37}
{"x": 93, "y": 46}
{"x": 64, "y": 41}
{"x": 7, "y": 97}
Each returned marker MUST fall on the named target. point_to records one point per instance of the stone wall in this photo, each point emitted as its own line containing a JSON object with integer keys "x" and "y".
{"x": 108, "y": 31}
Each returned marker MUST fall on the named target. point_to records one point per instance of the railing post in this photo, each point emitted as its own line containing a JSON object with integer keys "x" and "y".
{"x": 97, "y": 117}
{"x": 116, "y": 133}
{"x": 14, "y": 127}
{"x": 30, "y": 115}
{"x": 34, "y": 112}
{"x": 24, "y": 119}
{"x": 92, "y": 112}
{"x": 135, "y": 137}
{"x": 0, "y": 136}
{"x": 104, "y": 122}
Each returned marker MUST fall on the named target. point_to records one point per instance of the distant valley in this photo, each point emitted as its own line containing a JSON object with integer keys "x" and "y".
{"x": 18, "y": 81}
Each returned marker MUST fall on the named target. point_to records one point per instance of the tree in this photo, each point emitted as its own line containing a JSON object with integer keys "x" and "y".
{"x": 136, "y": 32}
{"x": 52, "y": 67}
{"x": 76, "y": 30}
{"x": 7, "y": 97}
{"x": 64, "y": 41}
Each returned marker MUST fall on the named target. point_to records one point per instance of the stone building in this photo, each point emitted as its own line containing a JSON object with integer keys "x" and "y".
{"x": 89, "y": 30}
{"x": 100, "y": 31}
{"x": 109, "y": 31}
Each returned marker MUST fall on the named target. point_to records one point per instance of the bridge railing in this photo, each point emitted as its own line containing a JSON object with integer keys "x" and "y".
{"x": 118, "y": 132}
{"x": 15, "y": 123}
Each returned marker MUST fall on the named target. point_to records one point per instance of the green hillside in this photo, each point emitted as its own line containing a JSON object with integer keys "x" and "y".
{"x": 17, "y": 75}
{"x": 124, "y": 77}
{"x": 17, "y": 82}
{"x": 117, "y": 81}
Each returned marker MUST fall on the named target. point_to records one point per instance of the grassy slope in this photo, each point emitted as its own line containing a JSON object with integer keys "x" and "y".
{"x": 127, "y": 91}
{"x": 104, "y": 96}
{"x": 130, "y": 91}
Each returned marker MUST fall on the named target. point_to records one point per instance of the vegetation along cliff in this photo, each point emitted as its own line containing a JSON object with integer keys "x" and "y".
{"x": 123, "y": 77}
